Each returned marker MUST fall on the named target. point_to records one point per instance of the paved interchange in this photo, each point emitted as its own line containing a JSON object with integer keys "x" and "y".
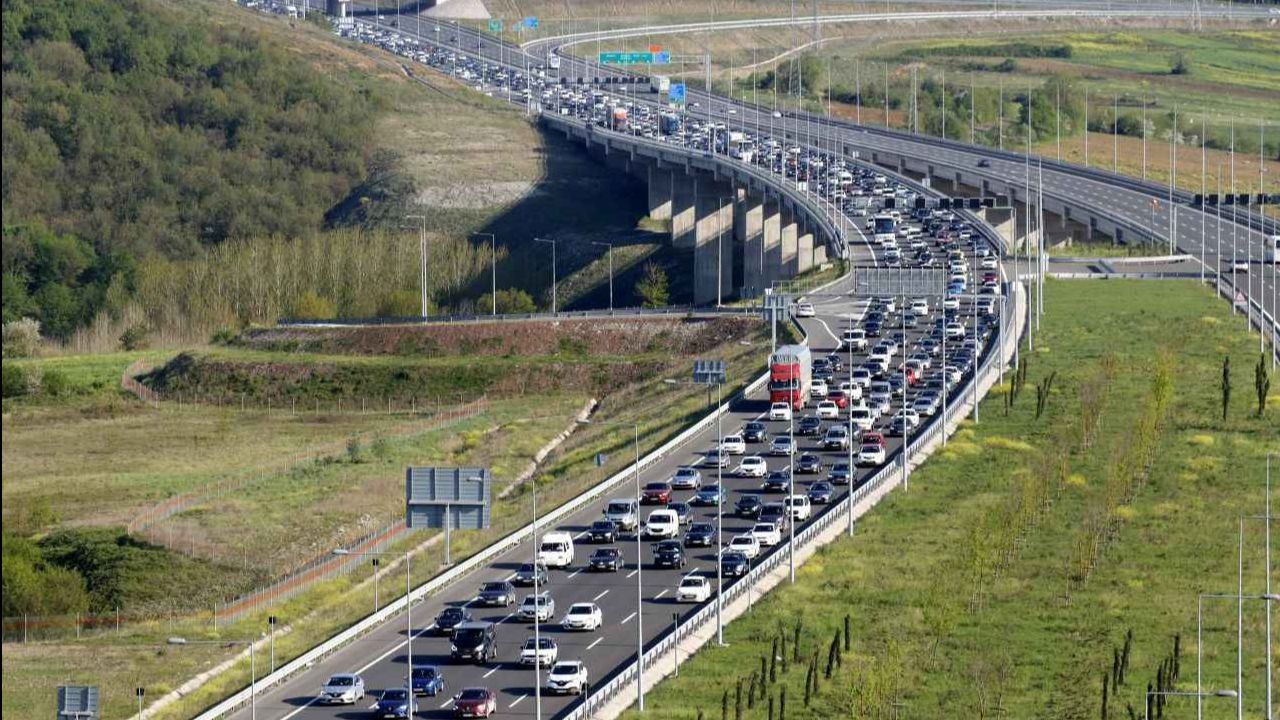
{"x": 380, "y": 656}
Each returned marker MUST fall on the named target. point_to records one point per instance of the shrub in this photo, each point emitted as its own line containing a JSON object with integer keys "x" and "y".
{"x": 21, "y": 337}
{"x": 55, "y": 383}
{"x": 401, "y": 303}
{"x": 14, "y": 381}
{"x": 652, "y": 288}
{"x": 224, "y": 336}
{"x": 1181, "y": 65}
{"x": 134, "y": 338}
{"x": 313, "y": 307}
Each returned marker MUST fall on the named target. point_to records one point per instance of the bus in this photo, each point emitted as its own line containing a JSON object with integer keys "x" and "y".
{"x": 883, "y": 227}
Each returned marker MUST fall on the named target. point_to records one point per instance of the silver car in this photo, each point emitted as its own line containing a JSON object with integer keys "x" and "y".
{"x": 342, "y": 689}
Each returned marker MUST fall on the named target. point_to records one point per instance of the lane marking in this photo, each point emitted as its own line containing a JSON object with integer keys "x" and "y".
{"x": 633, "y": 572}
{"x": 629, "y": 617}
{"x": 597, "y": 642}
{"x": 516, "y": 701}
{"x": 496, "y": 669}
{"x": 447, "y": 703}
{"x": 574, "y": 573}
{"x": 606, "y": 592}
{"x": 664, "y": 592}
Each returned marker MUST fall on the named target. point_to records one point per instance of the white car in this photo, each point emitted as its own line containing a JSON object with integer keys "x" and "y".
{"x": 747, "y": 545}
{"x": 568, "y": 677}
{"x": 818, "y": 389}
{"x": 828, "y": 410}
{"x": 951, "y": 302}
{"x": 544, "y": 653}
{"x": 662, "y": 524}
{"x": 693, "y": 589}
{"x": 880, "y": 402}
{"x": 870, "y": 454}
{"x": 733, "y": 445}
{"x": 752, "y": 466}
{"x": 342, "y": 689}
{"x": 955, "y": 331}
{"x": 766, "y": 533}
{"x": 805, "y": 310}
{"x": 715, "y": 458}
{"x": 781, "y": 445}
{"x": 856, "y": 338}
{"x": 780, "y": 411}
{"x": 912, "y": 417}
{"x": 862, "y": 417}
{"x": 861, "y": 377}
{"x": 851, "y": 389}
{"x": 582, "y": 616}
{"x": 541, "y": 606}
{"x": 989, "y": 262}
{"x": 800, "y": 507}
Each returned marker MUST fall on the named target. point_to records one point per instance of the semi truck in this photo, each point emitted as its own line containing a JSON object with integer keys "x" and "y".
{"x": 618, "y": 119}
{"x": 791, "y": 375}
{"x": 661, "y": 84}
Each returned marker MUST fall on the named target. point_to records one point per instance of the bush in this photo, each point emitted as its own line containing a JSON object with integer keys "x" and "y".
{"x": 134, "y": 338}
{"x": 225, "y": 336}
{"x": 652, "y": 288}
{"x": 512, "y": 301}
{"x": 313, "y": 307}
{"x": 33, "y": 586}
{"x": 21, "y": 337}
{"x": 1181, "y": 65}
{"x": 14, "y": 381}
{"x": 55, "y": 383}
{"x": 401, "y": 303}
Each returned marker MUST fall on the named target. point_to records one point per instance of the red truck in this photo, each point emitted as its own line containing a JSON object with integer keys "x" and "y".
{"x": 790, "y": 375}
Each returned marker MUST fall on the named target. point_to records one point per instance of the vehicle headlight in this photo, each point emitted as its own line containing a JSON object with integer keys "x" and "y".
{"x": 453, "y": 648}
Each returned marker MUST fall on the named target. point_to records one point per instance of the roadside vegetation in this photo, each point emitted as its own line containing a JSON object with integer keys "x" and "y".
{"x": 1051, "y": 549}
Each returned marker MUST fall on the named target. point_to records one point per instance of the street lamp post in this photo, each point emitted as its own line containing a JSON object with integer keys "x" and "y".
{"x": 610, "y": 246}
{"x": 408, "y": 601}
{"x": 552, "y": 243}
{"x": 493, "y": 268}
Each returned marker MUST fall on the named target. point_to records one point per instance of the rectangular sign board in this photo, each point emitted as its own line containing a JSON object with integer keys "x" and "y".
{"x": 461, "y": 493}
{"x": 675, "y": 93}
{"x": 895, "y": 282}
{"x": 708, "y": 372}
{"x": 495, "y": 26}
{"x": 625, "y": 58}
{"x": 77, "y": 701}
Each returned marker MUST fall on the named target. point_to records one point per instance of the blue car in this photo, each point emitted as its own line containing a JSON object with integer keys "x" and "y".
{"x": 709, "y": 495}
{"x": 427, "y": 680}
{"x": 395, "y": 703}
{"x": 820, "y": 493}
{"x": 734, "y": 564}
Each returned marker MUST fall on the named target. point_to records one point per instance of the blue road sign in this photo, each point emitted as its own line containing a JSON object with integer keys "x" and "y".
{"x": 662, "y": 58}
{"x": 531, "y": 22}
{"x": 675, "y": 93}
{"x": 495, "y": 26}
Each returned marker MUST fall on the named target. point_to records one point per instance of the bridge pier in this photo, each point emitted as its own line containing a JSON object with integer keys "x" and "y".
{"x": 790, "y": 243}
{"x": 661, "y": 184}
{"x": 713, "y": 249}
{"x": 683, "y": 213}
{"x": 771, "y": 236}
{"x": 748, "y": 233}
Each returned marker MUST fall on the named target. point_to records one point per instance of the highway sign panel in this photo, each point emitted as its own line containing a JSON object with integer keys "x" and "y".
{"x": 495, "y": 26}
{"x": 625, "y": 58}
{"x": 531, "y": 23}
{"x": 889, "y": 281}
{"x": 708, "y": 372}
{"x": 462, "y": 494}
{"x": 675, "y": 93}
{"x": 662, "y": 58}
{"x": 78, "y": 701}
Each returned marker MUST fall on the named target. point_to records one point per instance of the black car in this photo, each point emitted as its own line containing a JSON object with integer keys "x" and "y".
{"x": 700, "y": 534}
{"x": 778, "y": 481}
{"x": 734, "y": 564}
{"x": 754, "y": 432}
{"x": 809, "y": 425}
{"x": 602, "y": 531}
{"x": 775, "y": 513}
{"x": 449, "y": 618}
{"x": 474, "y": 641}
{"x": 531, "y": 573}
{"x": 809, "y": 463}
{"x": 873, "y": 329}
{"x": 684, "y": 513}
{"x": 984, "y": 163}
{"x": 496, "y": 594}
{"x": 669, "y": 553}
{"x": 747, "y": 506}
{"x": 820, "y": 493}
{"x": 609, "y": 559}
{"x": 839, "y": 474}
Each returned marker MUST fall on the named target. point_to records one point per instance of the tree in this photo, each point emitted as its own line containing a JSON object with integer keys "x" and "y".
{"x": 313, "y": 307}
{"x": 1181, "y": 65}
{"x": 1226, "y": 386}
{"x": 400, "y": 303}
{"x": 21, "y": 337}
{"x": 652, "y": 288}
{"x": 1261, "y": 383}
{"x": 512, "y": 301}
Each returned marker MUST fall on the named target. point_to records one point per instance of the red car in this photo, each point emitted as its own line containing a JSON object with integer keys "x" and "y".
{"x": 475, "y": 702}
{"x": 656, "y": 493}
{"x": 839, "y": 398}
{"x": 873, "y": 438}
{"x": 990, "y": 277}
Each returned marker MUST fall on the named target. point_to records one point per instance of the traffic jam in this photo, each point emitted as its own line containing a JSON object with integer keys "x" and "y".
{"x": 874, "y": 372}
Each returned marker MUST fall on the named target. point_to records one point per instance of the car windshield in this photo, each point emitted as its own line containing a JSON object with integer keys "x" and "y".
{"x": 602, "y": 525}
{"x": 538, "y": 600}
{"x": 656, "y": 486}
{"x": 394, "y": 695}
{"x": 424, "y": 673}
{"x": 710, "y": 490}
{"x": 564, "y": 670}
{"x": 468, "y": 636}
{"x": 544, "y": 643}
{"x": 493, "y": 587}
{"x": 701, "y": 527}
{"x": 686, "y": 472}
{"x": 580, "y": 610}
{"x": 472, "y": 694}
{"x": 341, "y": 681}
{"x": 527, "y": 568}
{"x": 552, "y": 547}
{"x": 619, "y": 508}
{"x": 691, "y": 582}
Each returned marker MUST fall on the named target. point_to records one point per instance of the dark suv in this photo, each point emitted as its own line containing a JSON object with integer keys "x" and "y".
{"x": 668, "y": 553}
{"x": 754, "y": 432}
{"x": 474, "y": 641}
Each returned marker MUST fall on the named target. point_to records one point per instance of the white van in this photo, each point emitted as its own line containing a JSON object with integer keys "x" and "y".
{"x": 623, "y": 512}
{"x": 800, "y": 507}
{"x": 556, "y": 550}
{"x": 662, "y": 524}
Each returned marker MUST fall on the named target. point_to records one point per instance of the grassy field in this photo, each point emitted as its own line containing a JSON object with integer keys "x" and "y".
{"x": 941, "y": 625}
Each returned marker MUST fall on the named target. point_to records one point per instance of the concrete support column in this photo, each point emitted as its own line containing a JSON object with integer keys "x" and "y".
{"x": 748, "y": 228}
{"x": 683, "y": 218}
{"x": 790, "y": 244}
{"x": 660, "y": 187}
{"x": 713, "y": 251}
{"x": 804, "y": 246}
{"x": 771, "y": 236}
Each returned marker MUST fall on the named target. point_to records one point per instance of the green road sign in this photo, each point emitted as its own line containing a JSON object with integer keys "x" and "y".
{"x": 625, "y": 58}
{"x": 495, "y": 26}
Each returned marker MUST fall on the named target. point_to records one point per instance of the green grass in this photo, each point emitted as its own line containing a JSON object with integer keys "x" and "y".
{"x": 1026, "y": 648}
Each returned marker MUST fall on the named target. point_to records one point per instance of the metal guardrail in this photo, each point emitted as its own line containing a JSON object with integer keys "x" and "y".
{"x": 689, "y": 311}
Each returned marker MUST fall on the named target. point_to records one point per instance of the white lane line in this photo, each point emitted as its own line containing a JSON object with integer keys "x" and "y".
{"x": 633, "y": 573}
{"x": 496, "y": 669}
{"x": 508, "y": 617}
{"x": 374, "y": 705}
{"x": 509, "y": 578}
{"x": 602, "y": 594}
{"x": 664, "y": 592}
{"x": 597, "y": 642}
{"x": 446, "y": 703}
{"x": 574, "y": 573}
{"x": 624, "y": 622}
{"x": 516, "y": 701}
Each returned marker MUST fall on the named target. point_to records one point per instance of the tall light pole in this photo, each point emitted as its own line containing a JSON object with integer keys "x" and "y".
{"x": 493, "y": 267}
{"x": 610, "y": 246}
{"x": 552, "y": 243}
{"x": 253, "y": 666}
{"x": 408, "y": 601}
{"x": 422, "y": 262}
